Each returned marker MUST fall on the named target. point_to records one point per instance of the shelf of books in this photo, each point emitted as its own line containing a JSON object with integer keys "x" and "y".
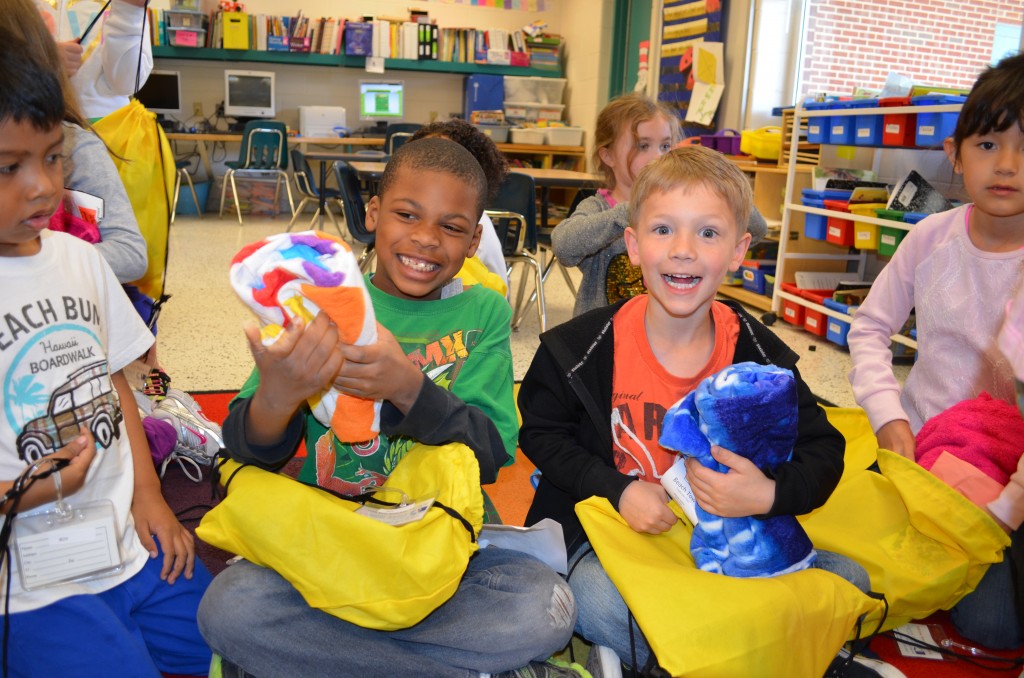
{"x": 412, "y": 45}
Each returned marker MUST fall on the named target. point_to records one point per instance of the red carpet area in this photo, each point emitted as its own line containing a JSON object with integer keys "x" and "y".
{"x": 512, "y": 495}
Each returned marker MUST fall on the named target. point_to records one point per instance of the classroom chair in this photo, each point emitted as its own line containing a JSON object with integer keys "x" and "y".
{"x": 548, "y": 254}
{"x": 182, "y": 173}
{"x": 355, "y": 211}
{"x": 514, "y": 213}
{"x": 397, "y": 134}
{"x": 264, "y": 151}
{"x": 310, "y": 192}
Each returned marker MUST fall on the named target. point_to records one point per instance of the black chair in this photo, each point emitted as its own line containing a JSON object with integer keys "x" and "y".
{"x": 544, "y": 241}
{"x": 264, "y": 151}
{"x": 306, "y": 183}
{"x": 355, "y": 211}
{"x": 514, "y": 213}
{"x": 397, "y": 134}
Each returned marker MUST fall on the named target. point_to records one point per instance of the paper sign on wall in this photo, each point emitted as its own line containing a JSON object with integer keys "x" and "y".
{"x": 709, "y": 82}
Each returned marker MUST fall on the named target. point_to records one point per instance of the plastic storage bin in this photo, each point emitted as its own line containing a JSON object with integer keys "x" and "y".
{"x": 865, "y": 236}
{"x": 754, "y": 276}
{"x": 842, "y": 128}
{"x": 769, "y": 285}
{"x": 185, "y": 4}
{"x": 532, "y": 88}
{"x": 533, "y": 111}
{"x": 817, "y": 127}
{"x": 764, "y": 143}
{"x": 898, "y": 129}
{"x": 889, "y": 238}
{"x": 836, "y": 330}
{"x": 868, "y": 128}
{"x": 497, "y": 133}
{"x": 816, "y": 225}
{"x": 527, "y": 135}
{"x": 793, "y": 313}
{"x": 891, "y": 215}
{"x": 840, "y": 230}
{"x": 914, "y": 217}
{"x": 727, "y": 141}
{"x": 933, "y": 128}
{"x": 185, "y": 37}
{"x": 483, "y": 93}
{"x": 564, "y": 136}
{"x": 184, "y": 19}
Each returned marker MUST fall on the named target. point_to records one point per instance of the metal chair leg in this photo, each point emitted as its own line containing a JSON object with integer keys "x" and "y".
{"x": 177, "y": 189}
{"x": 302, "y": 206}
{"x": 224, "y": 192}
{"x": 192, "y": 189}
{"x": 234, "y": 194}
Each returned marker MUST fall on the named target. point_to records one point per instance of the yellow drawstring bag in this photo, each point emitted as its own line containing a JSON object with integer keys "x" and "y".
{"x": 704, "y": 624}
{"x": 922, "y": 543}
{"x": 364, "y": 571}
{"x": 473, "y": 272}
{"x": 144, "y": 160}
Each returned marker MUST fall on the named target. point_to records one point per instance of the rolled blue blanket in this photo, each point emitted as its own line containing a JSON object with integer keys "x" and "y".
{"x": 751, "y": 410}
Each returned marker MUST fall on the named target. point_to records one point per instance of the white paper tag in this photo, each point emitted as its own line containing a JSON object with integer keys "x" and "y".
{"x": 921, "y": 633}
{"x": 53, "y": 549}
{"x": 678, "y": 487}
{"x": 398, "y": 515}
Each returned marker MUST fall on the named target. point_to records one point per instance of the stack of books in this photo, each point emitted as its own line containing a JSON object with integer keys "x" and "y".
{"x": 545, "y": 51}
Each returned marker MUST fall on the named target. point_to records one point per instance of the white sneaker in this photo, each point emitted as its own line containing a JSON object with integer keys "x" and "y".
{"x": 603, "y": 662}
{"x": 199, "y": 439}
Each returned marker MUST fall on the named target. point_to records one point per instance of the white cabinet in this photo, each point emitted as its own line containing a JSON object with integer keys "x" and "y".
{"x": 800, "y": 253}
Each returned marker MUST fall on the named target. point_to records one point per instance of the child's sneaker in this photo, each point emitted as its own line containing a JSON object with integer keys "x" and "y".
{"x": 552, "y": 668}
{"x": 156, "y": 384}
{"x": 199, "y": 439}
{"x": 603, "y": 662}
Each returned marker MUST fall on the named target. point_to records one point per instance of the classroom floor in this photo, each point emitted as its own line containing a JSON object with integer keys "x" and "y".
{"x": 202, "y": 347}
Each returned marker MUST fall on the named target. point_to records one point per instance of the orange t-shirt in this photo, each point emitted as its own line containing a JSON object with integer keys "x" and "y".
{"x": 643, "y": 390}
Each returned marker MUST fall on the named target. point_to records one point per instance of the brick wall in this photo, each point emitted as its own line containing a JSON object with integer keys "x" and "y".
{"x": 856, "y": 43}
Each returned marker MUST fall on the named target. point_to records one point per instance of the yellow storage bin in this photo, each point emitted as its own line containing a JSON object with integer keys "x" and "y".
{"x": 764, "y": 143}
{"x": 865, "y": 236}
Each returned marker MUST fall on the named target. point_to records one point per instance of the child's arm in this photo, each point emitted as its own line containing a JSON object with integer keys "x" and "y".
{"x": 81, "y": 451}
{"x": 417, "y": 407}
{"x": 882, "y": 314}
{"x": 153, "y": 517}
{"x": 796, "y": 487}
{"x": 590, "y": 229}
{"x": 295, "y": 367}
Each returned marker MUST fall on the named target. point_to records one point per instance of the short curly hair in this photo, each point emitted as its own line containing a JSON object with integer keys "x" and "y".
{"x": 491, "y": 160}
{"x": 437, "y": 155}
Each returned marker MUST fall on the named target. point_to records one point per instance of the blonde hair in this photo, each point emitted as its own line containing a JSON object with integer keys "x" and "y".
{"x": 22, "y": 18}
{"x": 690, "y": 166}
{"x": 628, "y": 109}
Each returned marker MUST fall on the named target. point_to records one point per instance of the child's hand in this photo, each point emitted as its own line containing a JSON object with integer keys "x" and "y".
{"x": 153, "y": 517}
{"x": 743, "y": 491}
{"x": 70, "y": 53}
{"x": 644, "y": 506}
{"x": 300, "y": 364}
{"x": 380, "y": 371}
{"x": 897, "y": 437}
{"x": 81, "y": 452}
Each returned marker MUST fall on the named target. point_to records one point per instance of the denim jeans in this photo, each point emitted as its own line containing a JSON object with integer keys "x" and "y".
{"x": 602, "y": 616}
{"x": 509, "y": 609}
{"x": 988, "y": 615}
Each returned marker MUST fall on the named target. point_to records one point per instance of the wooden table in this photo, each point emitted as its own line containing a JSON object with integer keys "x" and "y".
{"x": 303, "y": 143}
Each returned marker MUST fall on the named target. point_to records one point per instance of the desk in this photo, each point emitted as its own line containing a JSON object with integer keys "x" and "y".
{"x": 200, "y": 141}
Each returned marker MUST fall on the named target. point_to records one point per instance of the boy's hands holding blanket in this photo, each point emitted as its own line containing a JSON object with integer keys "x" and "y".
{"x": 743, "y": 491}
{"x": 644, "y": 507}
{"x": 380, "y": 371}
{"x": 298, "y": 365}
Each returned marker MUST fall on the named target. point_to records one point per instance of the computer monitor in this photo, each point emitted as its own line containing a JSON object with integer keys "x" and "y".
{"x": 381, "y": 101}
{"x": 249, "y": 94}
{"x": 161, "y": 93}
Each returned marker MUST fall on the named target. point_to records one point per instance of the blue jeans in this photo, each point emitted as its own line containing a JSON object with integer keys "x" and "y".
{"x": 988, "y": 615}
{"x": 141, "y": 627}
{"x": 509, "y": 609}
{"x": 602, "y": 616}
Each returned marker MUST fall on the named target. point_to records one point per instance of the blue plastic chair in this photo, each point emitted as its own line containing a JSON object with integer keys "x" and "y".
{"x": 514, "y": 213}
{"x": 355, "y": 211}
{"x": 182, "y": 173}
{"x": 306, "y": 185}
{"x": 264, "y": 151}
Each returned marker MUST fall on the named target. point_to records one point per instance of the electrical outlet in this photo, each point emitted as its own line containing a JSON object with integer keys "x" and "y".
{"x": 197, "y": 109}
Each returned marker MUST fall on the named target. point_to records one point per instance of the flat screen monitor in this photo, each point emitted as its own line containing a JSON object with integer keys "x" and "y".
{"x": 249, "y": 94}
{"x": 381, "y": 101}
{"x": 161, "y": 93}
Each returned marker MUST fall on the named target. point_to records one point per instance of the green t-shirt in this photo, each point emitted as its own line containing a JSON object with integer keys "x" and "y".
{"x": 462, "y": 344}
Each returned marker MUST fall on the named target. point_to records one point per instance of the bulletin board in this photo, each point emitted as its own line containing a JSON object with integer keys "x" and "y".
{"x": 684, "y": 24}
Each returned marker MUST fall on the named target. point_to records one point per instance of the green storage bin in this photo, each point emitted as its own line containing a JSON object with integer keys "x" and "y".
{"x": 889, "y": 238}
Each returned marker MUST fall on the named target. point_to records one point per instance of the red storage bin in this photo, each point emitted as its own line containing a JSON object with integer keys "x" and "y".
{"x": 815, "y": 322}
{"x": 839, "y": 230}
{"x": 793, "y": 313}
{"x": 898, "y": 129}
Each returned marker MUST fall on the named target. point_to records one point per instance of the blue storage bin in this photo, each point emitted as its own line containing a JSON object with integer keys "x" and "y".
{"x": 817, "y": 128}
{"x": 815, "y": 225}
{"x": 868, "y": 128}
{"x": 484, "y": 93}
{"x": 837, "y": 330}
{"x": 753, "y": 278}
{"x": 842, "y": 128}
{"x": 914, "y": 217}
{"x": 933, "y": 128}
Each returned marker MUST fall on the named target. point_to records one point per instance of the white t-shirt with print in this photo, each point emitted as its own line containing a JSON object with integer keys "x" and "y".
{"x": 66, "y": 326}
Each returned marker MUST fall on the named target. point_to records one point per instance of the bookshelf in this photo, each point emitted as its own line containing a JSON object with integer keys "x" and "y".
{"x": 344, "y": 61}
